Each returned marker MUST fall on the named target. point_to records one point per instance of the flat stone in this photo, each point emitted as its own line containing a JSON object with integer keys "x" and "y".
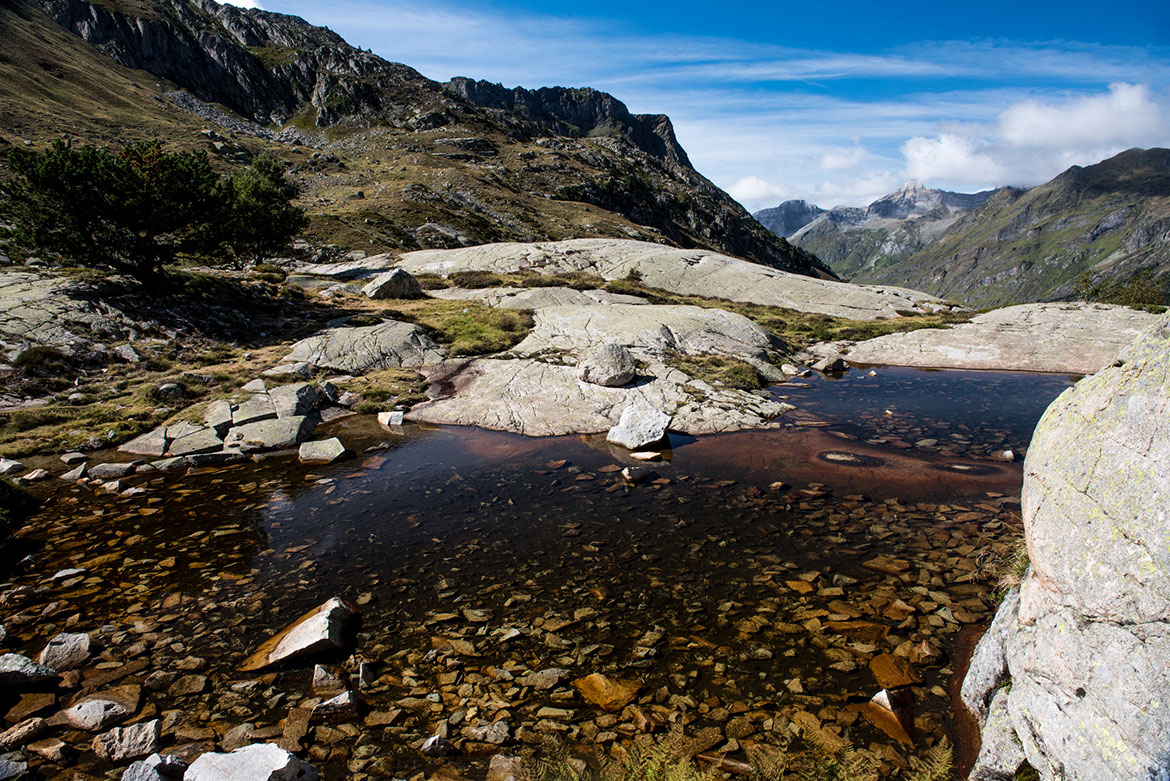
{"x": 255, "y": 386}
{"x": 76, "y": 473}
{"x": 51, "y": 749}
{"x": 12, "y": 769}
{"x": 69, "y": 459}
{"x": 10, "y": 466}
{"x": 318, "y": 630}
{"x": 398, "y": 283}
{"x": 152, "y": 443}
{"x": 343, "y": 707}
{"x": 607, "y": 693}
{"x": 639, "y": 425}
{"x": 257, "y": 762}
{"x": 125, "y": 743}
{"x": 111, "y": 471}
{"x": 892, "y": 672}
{"x": 324, "y": 451}
{"x": 357, "y": 350}
{"x": 188, "y": 685}
{"x": 258, "y": 407}
{"x": 202, "y": 441}
{"x": 292, "y": 400}
{"x": 66, "y": 651}
{"x": 17, "y": 672}
{"x": 218, "y": 417}
{"x": 277, "y": 434}
{"x": 24, "y": 732}
{"x": 1068, "y": 338}
{"x": 686, "y": 271}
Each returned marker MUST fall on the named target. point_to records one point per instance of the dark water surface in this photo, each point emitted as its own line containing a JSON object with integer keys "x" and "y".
{"x": 746, "y": 585}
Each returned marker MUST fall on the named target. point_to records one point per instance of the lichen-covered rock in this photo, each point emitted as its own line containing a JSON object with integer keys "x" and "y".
{"x": 278, "y": 434}
{"x": 325, "y": 451}
{"x": 1086, "y": 645}
{"x": 610, "y": 365}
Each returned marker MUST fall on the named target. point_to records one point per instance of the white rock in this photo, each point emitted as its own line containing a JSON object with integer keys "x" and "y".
{"x": 10, "y": 466}
{"x": 319, "y": 629}
{"x": 156, "y": 767}
{"x": 610, "y": 365}
{"x": 392, "y": 418}
{"x": 640, "y": 425}
{"x": 96, "y": 714}
{"x": 258, "y": 762}
{"x": 393, "y": 284}
{"x": 17, "y": 671}
{"x": 324, "y": 451}
{"x": 124, "y": 743}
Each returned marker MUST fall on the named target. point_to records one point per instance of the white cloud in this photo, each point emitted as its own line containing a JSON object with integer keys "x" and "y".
{"x": 754, "y": 189}
{"x": 243, "y": 3}
{"x": 840, "y": 159}
{"x": 1031, "y": 141}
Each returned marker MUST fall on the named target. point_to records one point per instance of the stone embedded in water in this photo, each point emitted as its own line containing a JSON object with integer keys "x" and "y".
{"x": 156, "y": 767}
{"x": 318, "y": 630}
{"x": 12, "y": 769}
{"x": 343, "y": 707}
{"x": 277, "y": 434}
{"x": 132, "y": 742}
{"x": 326, "y": 680}
{"x": 893, "y": 672}
{"x": 18, "y": 671}
{"x": 391, "y": 418}
{"x": 111, "y": 471}
{"x": 610, "y": 366}
{"x": 397, "y": 283}
{"x": 9, "y": 466}
{"x": 324, "y": 451}
{"x": 24, "y": 732}
{"x": 607, "y": 693}
{"x": 639, "y": 425}
{"x": 66, "y": 651}
{"x": 96, "y": 714}
{"x": 545, "y": 679}
{"x": 76, "y": 473}
{"x": 436, "y": 746}
{"x": 69, "y": 459}
{"x": 257, "y": 762}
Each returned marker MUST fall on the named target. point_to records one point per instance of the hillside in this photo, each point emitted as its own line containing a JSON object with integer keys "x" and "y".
{"x": 852, "y": 240}
{"x": 1111, "y": 219}
{"x": 388, "y": 159}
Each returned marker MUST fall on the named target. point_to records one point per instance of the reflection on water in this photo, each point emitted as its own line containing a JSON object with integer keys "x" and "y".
{"x": 747, "y": 584}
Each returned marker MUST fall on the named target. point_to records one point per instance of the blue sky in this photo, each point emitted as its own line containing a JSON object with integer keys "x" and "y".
{"x": 836, "y": 103}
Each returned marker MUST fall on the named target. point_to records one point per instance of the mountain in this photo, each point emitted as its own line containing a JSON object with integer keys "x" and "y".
{"x": 852, "y": 240}
{"x": 1111, "y": 220}
{"x": 388, "y": 158}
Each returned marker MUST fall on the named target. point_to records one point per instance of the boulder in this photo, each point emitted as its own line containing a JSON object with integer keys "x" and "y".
{"x": 156, "y": 767}
{"x": 318, "y": 630}
{"x": 391, "y": 418}
{"x": 1085, "y": 642}
{"x": 17, "y": 672}
{"x": 204, "y": 440}
{"x": 257, "y": 762}
{"x": 358, "y": 350}
{"x": 277, "y": 434}
{"x": 324, "y": 451}
{"x": 258, "y": 407}
{"x": 111, "y": 471}
{"x": 298, "y": 399}
{"x": 96, "y": 714}
{"x": 124, "y": 743}
{"x": 152, "y": 443}
{"x": 10, "y": 466}
{"x": 218, "y": 417}
{"x": 640, "y": 425}
{"x": 71, "y": 459}
{"x": 398, "y": 283}
{"x": 66, "y": 651}
{"x": 610, "y": 365}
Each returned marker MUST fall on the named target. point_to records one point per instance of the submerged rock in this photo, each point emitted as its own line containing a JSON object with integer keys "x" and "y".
{"x": 1086, "y": 643}
{"x": 258, "y": 762}
{"x": 325, "y": 451}
{"x": 124, "y": 743}
{"x": 18, "y": 672}
{"x": 156, "y": 767}
{"x": 318, "y": 630}
{"x": 66, "y": 651}
{"x": 607, "y": 693}
{"x": 276, "y": 434}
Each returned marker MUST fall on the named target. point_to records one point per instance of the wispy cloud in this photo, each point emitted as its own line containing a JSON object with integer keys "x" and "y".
{"x": 768, "y": 122}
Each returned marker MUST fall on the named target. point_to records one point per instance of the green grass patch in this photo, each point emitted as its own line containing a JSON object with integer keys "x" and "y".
{"x": 719, "y": 370}
{"x": 381, "y": 390}
{"x": 466, "y": 327}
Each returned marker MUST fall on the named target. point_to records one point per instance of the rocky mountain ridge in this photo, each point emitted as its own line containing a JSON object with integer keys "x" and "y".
{"x": 401, "y": 162}
{"x": 852, "y": 239}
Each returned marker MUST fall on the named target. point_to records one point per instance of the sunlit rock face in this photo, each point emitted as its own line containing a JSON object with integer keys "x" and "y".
{"x": 1085, "y": 644}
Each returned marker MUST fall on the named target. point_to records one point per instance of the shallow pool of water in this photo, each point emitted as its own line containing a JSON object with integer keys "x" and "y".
{"x": 747, "y": 584}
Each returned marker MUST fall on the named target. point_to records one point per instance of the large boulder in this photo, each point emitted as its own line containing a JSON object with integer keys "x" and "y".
{"x": 610, "y": 365}
{"x": 393, "y": 284}
{"x": 278, "y": 434}
{"x": 639, "y": 425}
{"x": 320, "y": 629}
{"x": 1086, "y": 643}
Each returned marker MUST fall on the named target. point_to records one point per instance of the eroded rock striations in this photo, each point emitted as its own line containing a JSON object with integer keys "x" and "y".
{"x": 1074, "y": 674}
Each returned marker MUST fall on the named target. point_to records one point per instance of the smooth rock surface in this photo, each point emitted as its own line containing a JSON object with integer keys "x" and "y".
{"x": 95, "y": 715}
{"x": 398, "y": 283}
{"x": 1086, "y": 645}
{"x": 276, "y": 434}
{"x": 534, "y": 297}
{"x": 258, "y": 762}
{"x": 610, "y": 366}
{"x": 690, "y": 272}
{"x": 1072, "y": 338}
{"x": 318, "y": 630}
{"x": 357, "y": 350}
